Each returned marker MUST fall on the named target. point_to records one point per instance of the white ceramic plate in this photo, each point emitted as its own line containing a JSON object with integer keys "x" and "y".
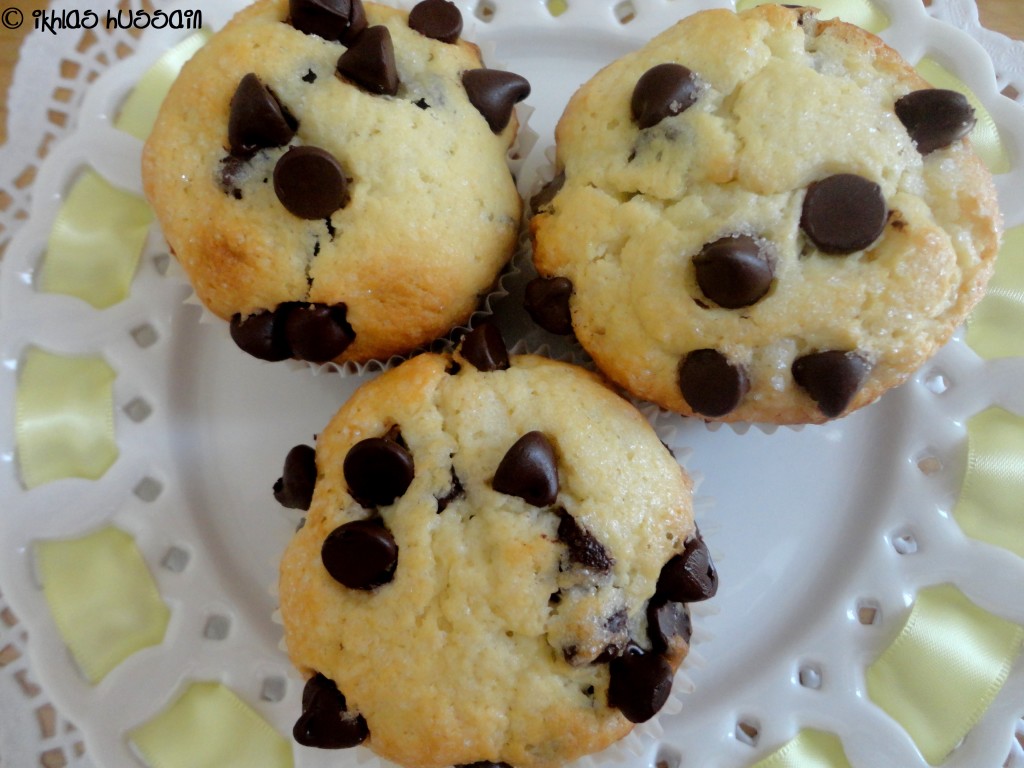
{"x": 803, "y": 523}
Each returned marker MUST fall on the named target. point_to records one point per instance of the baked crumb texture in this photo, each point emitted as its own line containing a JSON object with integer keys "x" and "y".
{"x": 762, "y": 217}
{"x": 333, "y": 179}
{"x": 495, "y": 566}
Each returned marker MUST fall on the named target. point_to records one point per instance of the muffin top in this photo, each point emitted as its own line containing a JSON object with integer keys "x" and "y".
{"x": 494, "y": 566}
{"x": 333, "y": 177}
{"x": 763, "y": 217}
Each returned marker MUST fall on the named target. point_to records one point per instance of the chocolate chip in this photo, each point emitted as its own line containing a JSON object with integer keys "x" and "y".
{"x": 547, "y": 193}
{"x": 710, "y": 384}
{"x": 310, "y": 182}
{"x": 455, "y": 492}
{"x": 547, "y": 302}
{"x": 483, "y": 764}
{"x": 309, "y": 77}
{"x": 361, "y": 554}
{"x": 325, "y": 721}
{"x": 640, "y": 684}
{"x": 843, "y": 213}
{"x": 583, "y": 548}
{"x": 436, "y": 19}
{"x": 317, "y": 332}
{"x": 831, "y": 378}
{"x": 370, "y": 62}
{"x": 485, "y": 349}
{"x": 257, "y": 120}
{"x": 294, "y": 489}
{"x": 378, "y": 470}
{"x": 495, "y": 93}
{"x": 668, "y": 625}
{"x": 663, "y": 91}
{"x": 261, "y": 335}
{"x": 617, "y": 627}
{"x": 529, "y": 470}
{"x": 422, "y": 104}
{"x": 338, "y": 20}
{"x": 232, "y": 171}
{"x": 689, "y": 577}
{"x": 935, "y": 117}
{"x": 734, "y": 271}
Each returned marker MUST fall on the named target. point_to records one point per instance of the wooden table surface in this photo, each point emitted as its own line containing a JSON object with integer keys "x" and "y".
{"x": 1006, "y": 16}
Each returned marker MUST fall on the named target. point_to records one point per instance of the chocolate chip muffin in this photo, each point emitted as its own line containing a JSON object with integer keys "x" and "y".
{"x": 762, "y": 217}
{"x": 333, "y": 177}
{"x": 495, "y": 566}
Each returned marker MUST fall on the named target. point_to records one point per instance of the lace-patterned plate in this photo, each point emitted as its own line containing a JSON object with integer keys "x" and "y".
{"x": 838, "y": 504}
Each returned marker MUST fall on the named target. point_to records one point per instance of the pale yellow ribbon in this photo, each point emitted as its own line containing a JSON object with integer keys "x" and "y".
{"x": 103, "y": 598}
{"x": 208, "y": 726}
{"x": 990, "y": 507}
{"x": 100, "y": 230}
{"x": 944, "y": 669}
{"x": 863, "y": 13}
{"x": 64, "y": 417}
{"x": 993, "y": 329}
{"x": 95, "y": 243}
{"x": 139, "y": 110}
{"x": 809, "y": 749}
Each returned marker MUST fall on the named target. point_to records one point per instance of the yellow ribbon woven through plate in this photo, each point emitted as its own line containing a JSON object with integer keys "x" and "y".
{"x": 99, "y": 232}
{"x": 989, "y": 507}
{"x": 139, "y": 110}
{"x": 64, "y": 417}
{"x": 993, "y": 329}
{"x": 95, "y": 243}
{"x": 810, "y": 749}
{"x": 102, "y": 597}
{"x": 208, "y": 726}
{"x": 860, "y": 12}
{"x": 944, "y": 669}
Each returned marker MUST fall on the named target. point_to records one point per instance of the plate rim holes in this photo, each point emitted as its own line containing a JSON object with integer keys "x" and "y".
{"x": 625, "y": 12}
{"x": 928, "y": 463}
{"x": 668, "y": 757}
{"x": 485, "y": 10}
{"x": 273, "y": 688}
{"x": 905, "y": 543}
{"x": 937, "y": 381}
{"x": 148, "y": 489}
{"x": 868, "y": 613}
{"x": 137, "y": 409}
{"x": 217, "y": 626}
{"x": 144, "y": 335}
{"x": 747, "y": 731}
{"x": 809, "y": 676}
{"x": 175, "y": 559}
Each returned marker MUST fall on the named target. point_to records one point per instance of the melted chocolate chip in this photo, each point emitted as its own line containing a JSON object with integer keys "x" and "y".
{"x": 843, "y": 213}
{"x": 370, "y": 62}
{"x": 455, "y": 492}
{"x": 640, "y": 684}
{"x": 338, "y": 20}
{"x": 360, "y": 555}
{"x": 257, "y": 120}
{"x": 668, "y": 625}
{"x": 710, "y": 384}
{"x": 547, "y": 302}
{"x": 294, "y": 489}
{"x": 484, "y": 348}
{"x": 663, "y": 91}
{"x": 261, "y": 335}
{"x": 436, "y": 19}
{"x": 232, "y": 171}
{"x": 378, "y": 470}
{"x": 547, "y": 193}
{"x": 583, "y": 548}
{"x": 495, "y": 93}
{"x": 935, "y": 117}
{"x": 529, "y": 470}
{"x": 831, "y": 378}
{"x": 325, "y": 721}
{"x": 689, "y": 577}
{"x": 310, "y": 182}
{"x": 734, "y": 271}
{"x": 317, "y": 332}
